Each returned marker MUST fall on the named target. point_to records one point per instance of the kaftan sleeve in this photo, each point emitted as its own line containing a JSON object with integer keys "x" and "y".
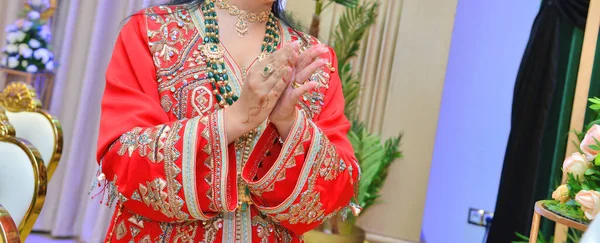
{"x": 163, "y": 169}
{"x": 313, "y": 174}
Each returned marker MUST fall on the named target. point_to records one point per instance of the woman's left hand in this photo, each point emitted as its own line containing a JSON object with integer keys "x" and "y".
{"x": 284, "y": 113}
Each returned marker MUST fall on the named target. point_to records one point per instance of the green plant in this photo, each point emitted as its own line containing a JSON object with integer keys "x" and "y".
{"x": 541, "y": 239}
{"x": 373, "y": 155}
{"x": 374, "y": 159}
{"x": 347, "y": 37}
{"x": 321, "y": 5}
{"x": 573, "y": 236}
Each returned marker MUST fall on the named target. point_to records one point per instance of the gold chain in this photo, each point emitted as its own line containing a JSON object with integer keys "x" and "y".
{"x": 241, "y": 26}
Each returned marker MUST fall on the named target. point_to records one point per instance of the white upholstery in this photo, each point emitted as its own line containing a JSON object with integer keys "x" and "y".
{"x": 592, "y": 235}
{"x": 36, "y": 129}
{"x": 16, "y": 180}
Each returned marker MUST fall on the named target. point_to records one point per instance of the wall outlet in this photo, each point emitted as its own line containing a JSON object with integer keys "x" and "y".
{"x": 479, "y": 217}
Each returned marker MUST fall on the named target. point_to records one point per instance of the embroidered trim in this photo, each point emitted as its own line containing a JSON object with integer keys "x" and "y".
{"x": 311, "y": 161}
{"x": 307, "y": 211}
{"x": 172, "y": 171}
{"x": 220, "y": 162}
{"x": 189, "y": 169}
{"x": 149, "y": 144}
{"x": 285, "y": 160}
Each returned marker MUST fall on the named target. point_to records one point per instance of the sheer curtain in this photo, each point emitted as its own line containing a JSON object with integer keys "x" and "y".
{"x": 84, "y": 34}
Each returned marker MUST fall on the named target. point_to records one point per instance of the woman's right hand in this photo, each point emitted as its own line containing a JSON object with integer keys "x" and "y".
{"x": 259, "y": 93}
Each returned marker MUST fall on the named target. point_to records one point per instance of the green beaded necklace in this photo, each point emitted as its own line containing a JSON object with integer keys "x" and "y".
{"x": 214, "y": 52}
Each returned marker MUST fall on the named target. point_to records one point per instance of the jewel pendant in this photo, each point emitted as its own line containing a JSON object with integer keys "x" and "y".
{"x": 241, "y": 27}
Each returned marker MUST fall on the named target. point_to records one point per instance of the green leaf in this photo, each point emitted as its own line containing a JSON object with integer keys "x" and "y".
{"x": 595, "y": 107}
{"x": 347, "y": 3}
{"x": 590, "y": 172}
{"x": 374, "y": 159}
{"x": 585, "y": 187}
{"x": 522, "y": 237}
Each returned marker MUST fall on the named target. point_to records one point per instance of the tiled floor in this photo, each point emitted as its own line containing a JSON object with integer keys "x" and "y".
{"x": 35, "y": 238}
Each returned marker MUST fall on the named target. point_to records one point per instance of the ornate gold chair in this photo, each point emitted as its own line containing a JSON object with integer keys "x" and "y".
{"x": 9, "y": 232}
{"x": 32, "y": 123}
{"x": 22, "y": 178}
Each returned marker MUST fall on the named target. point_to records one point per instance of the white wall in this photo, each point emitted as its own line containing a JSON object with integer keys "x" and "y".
{"x": 487, "y": 45}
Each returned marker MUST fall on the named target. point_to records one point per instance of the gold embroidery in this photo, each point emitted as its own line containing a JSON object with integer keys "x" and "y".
{"x": 208, "y": 162}
{"x": 186, "y": 232}
{"x": 121, "y": 230}
{"x": 134, "y": 231}
{"x": 265, "y": 228}
{"x": 166, "y": 103}
{"x": 307, "y": 211}
{"x": 149, "y": 144}
{"x": 330, "y": 167}
{"x": 172, "y": 171}
{"x": 211, "y": 228}
{"x": 137, "y": 220}
{"x": 164, "y": 40}
{"x": 136, "y": 196}
{"x": 153, "y": 195}
{"x": 129, "y": 141}
{"x": 146, "y": 239}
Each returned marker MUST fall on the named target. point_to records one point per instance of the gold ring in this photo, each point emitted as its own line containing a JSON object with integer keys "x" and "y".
{"x": 267, "y": 71}
{"x": 295, "y": 85}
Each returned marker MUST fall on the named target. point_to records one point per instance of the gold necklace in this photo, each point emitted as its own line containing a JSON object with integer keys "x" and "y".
{"x": 241, "y": 26}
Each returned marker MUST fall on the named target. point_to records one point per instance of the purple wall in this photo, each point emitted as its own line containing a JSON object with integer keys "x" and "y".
{"x": 487, "y": 45}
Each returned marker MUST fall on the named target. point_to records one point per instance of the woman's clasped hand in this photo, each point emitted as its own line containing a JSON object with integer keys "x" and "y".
{"x": 272, "y": 88}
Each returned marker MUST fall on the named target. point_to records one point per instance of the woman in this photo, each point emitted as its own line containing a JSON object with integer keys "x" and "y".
{"x": 220, "y": 123}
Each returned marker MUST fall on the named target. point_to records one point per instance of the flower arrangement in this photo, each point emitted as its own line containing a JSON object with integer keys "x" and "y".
{"x": 27, "y": 40}
{"x": 579, "y": 197}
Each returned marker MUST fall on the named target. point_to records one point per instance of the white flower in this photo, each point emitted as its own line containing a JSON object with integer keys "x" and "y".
{"x": 4, "y": 61}
{"x": 20, "y": 36}
{"x": 27, "y": 25}
{"x": 25, "y": 51}
{"x": 11, "y": 49}
{"x": 32, "y": 69}
{"x": 11, "y": 37}
{"x": 50, "y": 66}
{"x": 576, "y": 165}
{"x": 33, "y": 15}
{"x": 45, "y": 33}
{"x": 42, "y": 54}
{"x": 13, "y": 62}
{"x": 34, "y": 44}
{"x": 11, "y": 28}
{"x": 39, "y": 3}
{"x": 24, "y": 63}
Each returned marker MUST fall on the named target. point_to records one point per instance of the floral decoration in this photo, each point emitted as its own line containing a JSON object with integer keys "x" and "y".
{"x": 27, "y": 41}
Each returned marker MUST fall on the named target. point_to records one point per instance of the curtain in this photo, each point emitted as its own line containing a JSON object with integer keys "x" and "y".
{"x": 84, "y": 32}
{"x": 542, "y": 103}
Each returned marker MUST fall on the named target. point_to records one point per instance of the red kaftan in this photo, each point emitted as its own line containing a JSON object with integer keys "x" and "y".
{"x": 163, "y": 148}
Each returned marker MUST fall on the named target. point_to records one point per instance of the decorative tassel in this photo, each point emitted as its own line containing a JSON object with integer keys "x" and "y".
{"x": 356, "y": 209}
{"x": 105, "y": 187}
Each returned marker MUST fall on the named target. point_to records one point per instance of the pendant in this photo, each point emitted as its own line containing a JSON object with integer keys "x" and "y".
{"x": 241, "y": 27}
{"x": 212, "y": 51}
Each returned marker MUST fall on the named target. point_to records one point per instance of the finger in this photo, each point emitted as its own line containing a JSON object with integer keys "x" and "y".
{"x": 284, "y": 61}
{"x": 305, "y": 73}
{"x": 277, "y": 77}
{"x": 279, "y": 88}
{"x": 310, "y": 55}
{"x": 303, "y": 89}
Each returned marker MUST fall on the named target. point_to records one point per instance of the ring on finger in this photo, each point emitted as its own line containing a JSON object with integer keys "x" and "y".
{"x": 268, "y": 70}
{"x": 296, "y": 85}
